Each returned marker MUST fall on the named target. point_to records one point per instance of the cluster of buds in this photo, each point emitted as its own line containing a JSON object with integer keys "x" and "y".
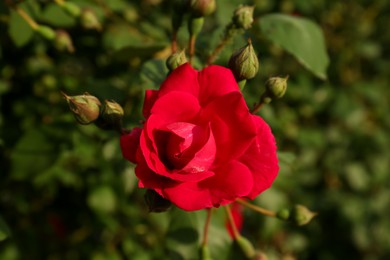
{"x": 299, "y": 214}
{"x": 88, "y": 109}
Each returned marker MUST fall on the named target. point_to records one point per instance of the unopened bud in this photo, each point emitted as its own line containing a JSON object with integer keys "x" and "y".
{"x": 89, "y": 20}
{"x": 301, "y": 215}
{"x": 260, "y": 256}
{"x": 155, "y": 202}
{"x": 246, "y": 246}
{"x": 176, "y": 59}
{"x": 71, "y": 8}
{"x": 283, "y": 214}
{"x": 85, "y": 108}
{"x": 243, "y": 16}
{"x": 195, "y": 25}
{"x": 63, "y": 42}
{"x": 276, "y": 87}
{"x": 244, "y": 63}
{"x": 46, "y": 32}
{"x": 201, "y": 8}
{"x": 111, "y": 116}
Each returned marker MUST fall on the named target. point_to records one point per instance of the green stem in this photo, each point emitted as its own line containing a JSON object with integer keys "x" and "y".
{"x": 263, "y": 211}
{"x": 228, "y": 210}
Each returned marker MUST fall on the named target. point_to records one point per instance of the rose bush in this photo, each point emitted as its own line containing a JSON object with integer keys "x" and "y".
{"x": 200, "y": 147}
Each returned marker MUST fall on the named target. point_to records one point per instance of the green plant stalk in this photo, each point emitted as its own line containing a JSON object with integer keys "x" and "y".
{"x": 263, "y": 211}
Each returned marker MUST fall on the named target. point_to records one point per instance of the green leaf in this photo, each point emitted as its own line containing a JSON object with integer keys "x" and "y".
{"x": 154, "y": 72}
{"x": 300, "y": 37}
{"x": 4, "y": 230}
{"x": 55, "y": 15}
{"x": 19, "y": 30}
{"x": 182, "y": 239}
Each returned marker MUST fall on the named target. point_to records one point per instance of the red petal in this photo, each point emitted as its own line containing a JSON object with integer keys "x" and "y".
{"x": 232, "y": 126}
{"x": 215, "y": 81}
{"x": 230, "y": 182}
{"x": 261, "y": 158}
{"x": 183, "y": 79}
{"x": 150, "y": 99}
{"x": 130, "y": 143}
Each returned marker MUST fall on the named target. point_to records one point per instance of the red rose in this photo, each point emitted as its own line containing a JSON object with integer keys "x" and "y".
{"x": 200, "y": 147}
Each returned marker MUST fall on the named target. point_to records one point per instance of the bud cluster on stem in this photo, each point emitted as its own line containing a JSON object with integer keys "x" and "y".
{"x": 242, "y": 20}
{"x": 88, "y": 109}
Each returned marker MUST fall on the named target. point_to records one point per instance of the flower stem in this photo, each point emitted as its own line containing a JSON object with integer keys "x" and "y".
{"x": 27, "y": 18}
{"x": 228, "y": 210}
{"x": 191, "y": 47}
{"x": 263, "y": 211}
{"x": 206, "y": 227}
{"x": 174, "y": 42}
{"x": 217, "y": 50}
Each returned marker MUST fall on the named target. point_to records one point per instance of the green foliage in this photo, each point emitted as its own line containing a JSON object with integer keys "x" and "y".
{"x": 299, "y": 36}
{"x": 68, "y": 185}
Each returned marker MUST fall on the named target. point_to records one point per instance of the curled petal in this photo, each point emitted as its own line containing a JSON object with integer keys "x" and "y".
{"x": 130, "y": 143}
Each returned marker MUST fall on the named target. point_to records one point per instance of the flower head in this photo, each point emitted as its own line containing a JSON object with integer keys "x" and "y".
{"x": 200, "y": 147}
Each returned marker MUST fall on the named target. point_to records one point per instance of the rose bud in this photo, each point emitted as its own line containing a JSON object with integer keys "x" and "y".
{"x": 283, "y": 214}
{"x": 244, "y": 63}
{"x": 301, "y": 215}
{"x": 111, "y": 116}
{"x": 243, "y": 16}
{"x": 260, "y": 256}
{"x": 85, "y": 108}
{"x": 201, "y": 8}
{"x": 155, "y": 202}
{"x": 46, "y": 32}
{"x": 276, "y": 87}
{"x": 63, "y": 42}
{"x": 246, "y": 246}
{"x": 71, "y": 8}
{"x": 176, "y": 59}
{"x": 89, "y": 19}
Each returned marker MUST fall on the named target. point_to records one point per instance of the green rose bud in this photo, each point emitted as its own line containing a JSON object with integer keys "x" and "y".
{"x": 260, "y": 256}
{"x": 111, "y": 116}
{"x": 246, "y": 246}
{"x": 71, "y": 8}
{"x": 301, "y": 215}
{"x": 89, "y": 20}
{"x": 85, "y": 108}
{"x": 176, "y": 59}
{"x": 276, "y": 87}
{"x": 283, "y": 214}
{"x": 201, "y": 8}
{"x": 155, "y": 202}
{"x": 243, "y": 16}
{"x": 63, "y": 42}
{"x": 244, "y": 63}
{"x": 46, "y": 32}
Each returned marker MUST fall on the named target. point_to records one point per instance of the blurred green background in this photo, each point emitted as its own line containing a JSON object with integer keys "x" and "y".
{"x": 66, "y": 192}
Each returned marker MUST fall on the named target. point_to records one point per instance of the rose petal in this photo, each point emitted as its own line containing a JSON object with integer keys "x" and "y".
{"x": 232, "y": 181}
{"x": 129, "y": 144}
{"x": 184, "y": 79}
{"x": 150, "y": 98}
{"x": 232, "y": 125}
{"x": 215, "y": 81}
{"x": 261, "y": 158}
{"x": 176, "y": 107}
